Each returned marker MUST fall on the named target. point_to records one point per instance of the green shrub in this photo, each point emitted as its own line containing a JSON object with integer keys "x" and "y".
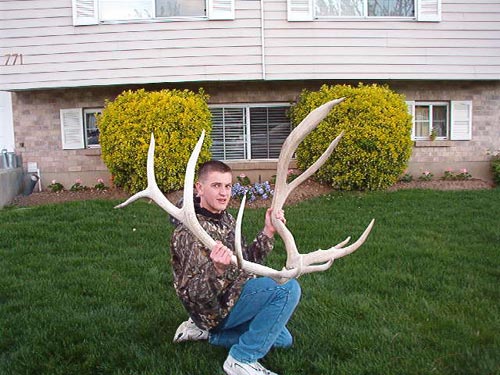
{"x": 176, "y": 118}
{"x": 376, "y": 145}
{"x": 495, "y": 168}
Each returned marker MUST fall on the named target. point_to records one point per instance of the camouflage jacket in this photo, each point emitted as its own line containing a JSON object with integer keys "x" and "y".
{"x": 208, "y": 298}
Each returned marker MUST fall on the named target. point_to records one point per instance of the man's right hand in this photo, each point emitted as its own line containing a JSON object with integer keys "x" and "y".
{"x": 221, "y": 257}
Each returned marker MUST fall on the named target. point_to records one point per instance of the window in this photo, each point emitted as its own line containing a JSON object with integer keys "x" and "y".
{"x": 419, "y": 10}
{"x": 249, "y": 132}
{"x": 364, "y": 8}
{"x": 90, "y": 123}
{"x": 110, "y": 10}
{"x": 79, "y": 128}
{"x": 91, "y": 12}
{"x": 450, "y": 120}
{"x": 431, "y": 118}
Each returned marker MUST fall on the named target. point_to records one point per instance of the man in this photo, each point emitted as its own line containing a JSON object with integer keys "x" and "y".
{"x": 228, "y": 306}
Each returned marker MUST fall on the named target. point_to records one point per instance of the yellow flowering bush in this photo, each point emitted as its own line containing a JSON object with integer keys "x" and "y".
{"x": 175, "y": 117}
{"x": 376, "y": 145}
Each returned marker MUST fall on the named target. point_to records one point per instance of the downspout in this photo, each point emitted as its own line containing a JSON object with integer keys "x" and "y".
{"x": 263, "y": 39}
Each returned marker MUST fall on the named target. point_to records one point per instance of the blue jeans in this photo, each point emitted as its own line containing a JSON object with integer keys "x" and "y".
{"x": 258, "y": 320}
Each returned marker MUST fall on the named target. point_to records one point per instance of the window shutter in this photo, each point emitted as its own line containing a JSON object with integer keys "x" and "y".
{"x": 72, "y": 128}
{"x": 221, "y": 9}
{"x": 85, "y": 12}
{"x": 461, "y": 121}
{"x": 300, "y": 10}
{"x": 429, "y": 10}
{"x": 411, "y": 111}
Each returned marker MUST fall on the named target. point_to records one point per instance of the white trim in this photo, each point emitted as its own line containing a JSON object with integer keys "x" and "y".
{"x": 461, "y": 120}
{"x": 428, "y": 10}
{"x": 411, "y": 111}
{"x": 220, "y": 9}
{"x": 72, "y": 129}
{"x": 85, "y": 12}
{"x": 300, "y": 10}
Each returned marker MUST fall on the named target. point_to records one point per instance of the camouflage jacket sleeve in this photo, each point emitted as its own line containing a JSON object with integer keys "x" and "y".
{"x": 205, "y": 295}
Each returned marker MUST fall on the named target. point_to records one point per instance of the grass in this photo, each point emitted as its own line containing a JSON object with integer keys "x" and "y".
{"x": 82, "y": 292}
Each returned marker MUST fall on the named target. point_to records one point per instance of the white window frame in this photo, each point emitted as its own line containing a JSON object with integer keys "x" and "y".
{"x": 74, "y": 128}
{"x": 86, "y": 12}
{"x": 431, "y": 106}
{"x": 247, "y": 130}
{"x": 87, "y": 111}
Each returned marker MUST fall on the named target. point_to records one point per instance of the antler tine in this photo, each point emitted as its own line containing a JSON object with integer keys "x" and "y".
{"x": 336, "y": 252}
{"x": 282, "y": 189}
{"x": 152, "y": 191}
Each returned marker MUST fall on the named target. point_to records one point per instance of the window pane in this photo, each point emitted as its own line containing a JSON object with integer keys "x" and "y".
{"x": 91, "y": 129}
{"x": 337, "y": 8}
{"x": 391, "y": 8}
{"x": 228, "y": 133}
{"x": 125, "y": 9}
{"x": 422, "y": 123}
{"x": 269, "y": 127}
{"x": 180, "y": 8}
{"x": 439, "y": 120}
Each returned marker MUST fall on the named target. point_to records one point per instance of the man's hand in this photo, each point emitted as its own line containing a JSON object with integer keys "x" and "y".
{"x": 269, "y": 229}
{"x": 221, "y": 257}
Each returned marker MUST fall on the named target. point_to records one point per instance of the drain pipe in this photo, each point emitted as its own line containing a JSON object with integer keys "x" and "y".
{"x": 263, "y": 39}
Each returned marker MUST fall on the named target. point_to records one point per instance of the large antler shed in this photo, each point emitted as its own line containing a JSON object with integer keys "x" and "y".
{"x": 296, "y": 264}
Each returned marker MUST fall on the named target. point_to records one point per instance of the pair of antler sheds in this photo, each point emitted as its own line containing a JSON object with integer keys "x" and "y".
{"x": 297, "y": 264}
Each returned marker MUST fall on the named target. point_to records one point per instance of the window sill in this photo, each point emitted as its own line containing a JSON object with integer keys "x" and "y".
{"x": 437, "y": 143}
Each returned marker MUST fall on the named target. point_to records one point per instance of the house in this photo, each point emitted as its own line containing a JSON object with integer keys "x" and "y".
{"x": 63, "y": 58}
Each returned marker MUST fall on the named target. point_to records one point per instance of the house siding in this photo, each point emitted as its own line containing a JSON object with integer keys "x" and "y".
{"x": 465, "y": 45}
{"x": 38, "y": 130}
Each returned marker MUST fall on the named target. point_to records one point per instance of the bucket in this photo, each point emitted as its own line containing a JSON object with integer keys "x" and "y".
{"x": 3, "y": 160}
{"x": 11, "y": 160}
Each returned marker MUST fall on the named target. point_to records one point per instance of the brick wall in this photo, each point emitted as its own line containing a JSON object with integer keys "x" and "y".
{"x": 38, "y": 129}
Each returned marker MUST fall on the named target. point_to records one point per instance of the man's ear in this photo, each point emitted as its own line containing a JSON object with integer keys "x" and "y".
{"x": 199, "y": 187}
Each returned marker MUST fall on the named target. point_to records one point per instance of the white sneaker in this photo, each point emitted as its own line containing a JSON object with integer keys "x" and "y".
{"x": 234, "y": 367}
{"x": 189, "y": 331}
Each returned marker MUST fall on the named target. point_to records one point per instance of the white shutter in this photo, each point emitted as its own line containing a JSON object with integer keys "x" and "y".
{"x": 429, "y": 10}
{"x": 221, "y": 9}
{"x": 411, "y": 111}
{"x": 300, "y": 10}
{"x": 461, "y": 121}
{"x": 72, "y": 128}
{"x": 85, "y": 12}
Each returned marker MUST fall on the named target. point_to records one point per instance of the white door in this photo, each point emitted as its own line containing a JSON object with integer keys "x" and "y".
{"x": 6, "y": 122}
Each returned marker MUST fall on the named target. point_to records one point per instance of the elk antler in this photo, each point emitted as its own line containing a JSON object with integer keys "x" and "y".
{"x": 306, "y": 263}
{"x": 297, "y": 264}
{"x": 187, "y": 214}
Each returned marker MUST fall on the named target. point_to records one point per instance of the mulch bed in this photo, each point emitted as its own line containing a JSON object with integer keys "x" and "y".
{"x": 308, "y": 189}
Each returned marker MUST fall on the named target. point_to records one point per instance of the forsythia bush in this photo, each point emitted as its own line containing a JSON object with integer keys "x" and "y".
{"x": 376, "y": 144}
{"x": 175, "y": 117}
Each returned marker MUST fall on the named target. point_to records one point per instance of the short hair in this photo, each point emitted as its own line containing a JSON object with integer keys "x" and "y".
{"x": 212, "y": 166}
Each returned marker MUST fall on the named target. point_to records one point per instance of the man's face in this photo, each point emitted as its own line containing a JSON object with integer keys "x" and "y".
{"x": 214, "y": 191}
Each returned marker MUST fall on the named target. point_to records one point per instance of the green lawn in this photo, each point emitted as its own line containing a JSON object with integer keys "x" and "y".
{"x": 86, "y": 289}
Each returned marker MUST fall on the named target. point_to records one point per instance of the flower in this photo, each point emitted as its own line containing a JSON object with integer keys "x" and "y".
{"x": 55, "y": 186}
{"x": 252, "y": 192}
{"x": 100, "y": 185}
{"x": 426, "y": 176}
{"x": 77, "y": 186}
